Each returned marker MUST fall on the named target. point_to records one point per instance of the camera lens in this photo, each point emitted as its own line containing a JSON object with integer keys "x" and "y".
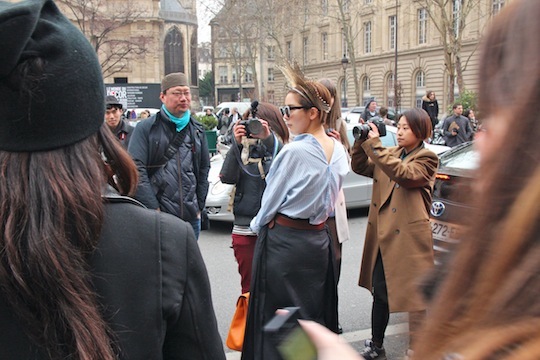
{"x": 255, "y": 127}
{"x": 361, "y": 131}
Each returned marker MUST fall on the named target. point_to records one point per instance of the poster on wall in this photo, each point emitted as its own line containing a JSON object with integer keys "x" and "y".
{"x": 136, "y": 96}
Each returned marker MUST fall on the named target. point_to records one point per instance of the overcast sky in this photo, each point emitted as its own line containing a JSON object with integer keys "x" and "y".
{"x": 204, "y": 15}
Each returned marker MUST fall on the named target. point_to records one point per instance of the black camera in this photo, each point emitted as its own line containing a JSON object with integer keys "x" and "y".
{"x": 361, "y": 131}
{"x": 253, "y": 126}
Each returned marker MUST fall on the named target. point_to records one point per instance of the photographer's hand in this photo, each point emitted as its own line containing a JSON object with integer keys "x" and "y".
{"x": 374, "y": 133}
{"x": 329, "y": 345}
{"x": 239, "y": 131}
{"x": 266, "y": 131}
{"x": 334, "y": 134}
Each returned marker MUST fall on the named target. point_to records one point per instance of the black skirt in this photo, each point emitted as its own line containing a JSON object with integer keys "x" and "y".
{"x": 290, "y": 268}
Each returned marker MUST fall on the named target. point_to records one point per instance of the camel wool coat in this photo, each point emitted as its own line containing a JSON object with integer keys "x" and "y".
{"x": 398, "y": 221}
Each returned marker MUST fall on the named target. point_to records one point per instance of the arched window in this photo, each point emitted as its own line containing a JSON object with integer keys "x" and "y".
{"x": 389, "y": 89}
{"x": 420, "y": 88}
{"x": 174, "y": 52}
{"x": 366, "y": 89}
{"x": 193, "y": 59}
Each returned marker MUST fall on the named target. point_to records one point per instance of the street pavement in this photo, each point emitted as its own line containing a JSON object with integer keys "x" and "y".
{"x": 354, "y": 302}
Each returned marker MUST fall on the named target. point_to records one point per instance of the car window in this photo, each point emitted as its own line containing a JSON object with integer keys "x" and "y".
{"x": 465, "y": 158}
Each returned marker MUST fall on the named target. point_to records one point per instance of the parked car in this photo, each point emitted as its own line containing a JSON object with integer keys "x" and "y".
{"x": 352, "y": 115}
{"x": 357, "y": 188}
{"x": 451, "y": 193}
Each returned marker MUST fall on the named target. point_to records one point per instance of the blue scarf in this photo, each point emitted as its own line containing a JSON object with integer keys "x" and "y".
{"x": 180, "y": 122}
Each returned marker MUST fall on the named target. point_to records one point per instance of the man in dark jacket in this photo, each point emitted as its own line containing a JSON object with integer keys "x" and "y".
{"x": 431, "y": 106}
{"x": 171, "y": 153}
{"x": 456, "y": 128}
{"x": 117, "y": 123}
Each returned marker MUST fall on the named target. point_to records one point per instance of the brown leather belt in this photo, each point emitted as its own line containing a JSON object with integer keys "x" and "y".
{"x": 299, "y": 224}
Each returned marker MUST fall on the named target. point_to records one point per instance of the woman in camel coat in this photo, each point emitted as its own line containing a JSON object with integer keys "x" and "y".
{"x": 398, "y": 231}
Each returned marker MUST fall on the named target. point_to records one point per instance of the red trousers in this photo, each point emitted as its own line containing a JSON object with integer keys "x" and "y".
{"x": 244, "y": 246}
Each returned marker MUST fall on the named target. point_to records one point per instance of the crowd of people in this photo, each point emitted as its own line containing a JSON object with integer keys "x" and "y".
{"x": 99, "y": 220}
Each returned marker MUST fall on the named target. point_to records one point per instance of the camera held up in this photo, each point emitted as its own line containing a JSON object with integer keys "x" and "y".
{"x": 253, "y": 125}
{"x": 361, "y": 131}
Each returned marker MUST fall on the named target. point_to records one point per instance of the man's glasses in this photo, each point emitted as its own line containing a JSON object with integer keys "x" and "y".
{"x": 180, "y": 93}
{"x": 286, "y": 110}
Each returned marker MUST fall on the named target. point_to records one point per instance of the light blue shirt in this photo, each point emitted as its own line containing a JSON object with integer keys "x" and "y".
{"x": 301, "y": 184}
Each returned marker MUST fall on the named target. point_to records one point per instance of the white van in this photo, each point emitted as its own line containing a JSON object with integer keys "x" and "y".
{"x": 241, "y": 106}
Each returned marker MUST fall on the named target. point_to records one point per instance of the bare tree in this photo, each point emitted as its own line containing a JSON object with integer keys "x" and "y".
{"x": 106, "y": 25}
{"x": 450, "y": 18}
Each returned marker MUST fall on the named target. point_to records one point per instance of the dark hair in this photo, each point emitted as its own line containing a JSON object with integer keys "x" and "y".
{"x": 383, "y": 111}
{"x": 429, "y": 92}
{"x": 334, "y": 117}
{"x": 487, "y": 307}
{"x": 466, "y": 113}
{"x": 51, "y": 216}
{"x": 419, "y": 122}
{"x": 456, "y": 105}
{"x": 114, "y": 106}
{"x": 271, "y": 113}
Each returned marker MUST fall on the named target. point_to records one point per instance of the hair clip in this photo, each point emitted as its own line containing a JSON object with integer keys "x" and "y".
{"x": 326, "y": 106}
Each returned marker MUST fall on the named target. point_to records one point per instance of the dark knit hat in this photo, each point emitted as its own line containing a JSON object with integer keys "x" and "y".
{"x": 112, "y": 101}
{"x": 59, "y": 104}
{"x": 174, "y": 79}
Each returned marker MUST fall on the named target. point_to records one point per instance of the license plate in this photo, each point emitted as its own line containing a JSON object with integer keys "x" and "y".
{"x": 444, "y": 231}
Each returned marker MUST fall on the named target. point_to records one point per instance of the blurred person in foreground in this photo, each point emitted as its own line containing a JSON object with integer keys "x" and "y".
{"x": 85, "y": 271}
{"x": 246, "y": 165}
{"x": 485, "y": 303}
{"x": 293, "y": 264}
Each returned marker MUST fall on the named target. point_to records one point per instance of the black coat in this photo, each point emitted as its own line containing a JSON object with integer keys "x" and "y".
{"x": 250, "y": 184}
{"x": 432, "y": 108}
{"x": 160, "y": 185}
{"x": 151, "y": 281}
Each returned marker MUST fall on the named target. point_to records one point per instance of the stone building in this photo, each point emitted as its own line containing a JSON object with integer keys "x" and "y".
{"x": 362, "y": 62}
{"x": 162, "y": 36}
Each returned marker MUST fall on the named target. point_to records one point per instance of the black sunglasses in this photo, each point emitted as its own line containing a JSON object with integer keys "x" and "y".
{"x": 286, "y": 110}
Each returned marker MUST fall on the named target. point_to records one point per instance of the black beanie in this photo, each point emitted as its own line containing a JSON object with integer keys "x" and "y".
{"x": 67, "y": 104}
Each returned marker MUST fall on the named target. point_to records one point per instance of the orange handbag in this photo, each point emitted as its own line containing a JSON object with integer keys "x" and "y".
{"x": 235, "y": 338}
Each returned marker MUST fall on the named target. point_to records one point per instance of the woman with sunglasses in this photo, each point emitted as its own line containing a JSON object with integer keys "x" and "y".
{"x": 293, "y": 263}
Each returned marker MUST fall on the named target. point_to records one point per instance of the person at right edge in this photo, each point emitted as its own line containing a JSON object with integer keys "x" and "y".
{"x": 86, "y": 272}
{"x": 398, "y": 245}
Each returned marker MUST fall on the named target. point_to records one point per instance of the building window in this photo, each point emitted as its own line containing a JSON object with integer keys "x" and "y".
{"x": 324, "y": 7}
{"x": 367, "y": 37}
{"x": 223, "y": 52}
{"x": 346, "y": 4}
{"x": 344, "y": 45}
{"x": 288, "y": 47}
{"x": 390, "y": 90}
{"x": 324, "y": 45}
{"x": 305, "y": 50}
{"x": 270, "y": 96}
{"x": 420, "y": 88}
{"x": 366, "y": 89}
{"x": 456, "y": 16}
{"x": 422, "y": 26}
{"x": 271, "y": 51}
{"x": 223, "y": 75}
{"x": 248, "y": 76}
{"x": 234, "y": 76}
{"x": 270, "y": 74}
{"x": 496, "y": 6}
{"x": 174, "y": 52}
{"x": 368, "y": 1}
{"x": 392, "y": 31}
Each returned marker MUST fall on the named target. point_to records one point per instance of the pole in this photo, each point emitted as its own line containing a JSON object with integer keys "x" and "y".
{"x": 396, "y": 104}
